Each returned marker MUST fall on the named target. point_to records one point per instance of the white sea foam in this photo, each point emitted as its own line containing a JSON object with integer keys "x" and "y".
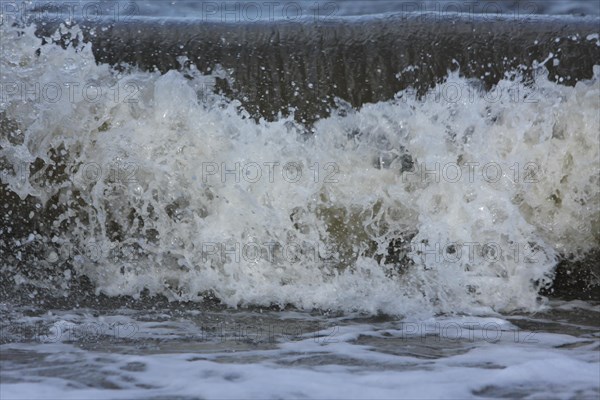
{"x": 147, "y": 162}
{"x": 492, "y": 359}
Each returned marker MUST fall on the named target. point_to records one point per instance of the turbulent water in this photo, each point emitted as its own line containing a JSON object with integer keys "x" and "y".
{"x": 410, "y": 240}
{"x": 128, "y": 354}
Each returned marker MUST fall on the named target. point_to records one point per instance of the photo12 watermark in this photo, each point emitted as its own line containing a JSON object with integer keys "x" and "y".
{"x": 284, "y": 331}
{"x": 488, "y": 11}
{"x": 255, "y": 172}
{"x": 451, "y": 92}
{"x": 45, "y": 11}
{"x": 261, "y": 11}
{"x": 490, "y": 332}
{"x": 476, "y": 252}
{"x": 74, "y": 92}
{"x": 83, "y": 175}
{"x": 473, "y": 172}
{"x": 272, "y": 251}
{"x": 64, "y": 331}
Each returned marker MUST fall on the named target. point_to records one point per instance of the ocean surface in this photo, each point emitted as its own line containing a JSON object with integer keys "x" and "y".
{"x": 306, "y": 200}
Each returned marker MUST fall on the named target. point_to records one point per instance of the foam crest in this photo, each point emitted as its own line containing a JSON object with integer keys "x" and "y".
{"x": 442, "y": 204}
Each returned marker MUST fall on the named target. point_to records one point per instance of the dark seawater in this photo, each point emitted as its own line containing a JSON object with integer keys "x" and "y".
{"x": 347, "y": 199}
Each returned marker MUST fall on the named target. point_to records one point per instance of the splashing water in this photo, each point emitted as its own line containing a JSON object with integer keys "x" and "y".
{"x": 460, "y": 201}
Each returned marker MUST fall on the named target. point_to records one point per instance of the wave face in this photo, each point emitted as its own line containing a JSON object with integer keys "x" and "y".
{"x": 272, "y": 67}
{"x": 459, "y": 201}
